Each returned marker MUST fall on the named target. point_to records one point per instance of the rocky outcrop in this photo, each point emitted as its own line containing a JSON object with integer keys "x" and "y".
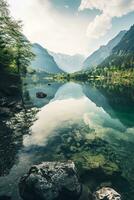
{"x": 51, "y": 181}
{"x": 106, "y": 193}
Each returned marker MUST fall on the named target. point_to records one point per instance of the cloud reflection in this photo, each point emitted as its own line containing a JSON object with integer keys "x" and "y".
{"x": 68, "y": 107}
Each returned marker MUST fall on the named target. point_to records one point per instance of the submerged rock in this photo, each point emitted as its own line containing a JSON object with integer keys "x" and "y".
{"x": 51, "y": 181}
{"x": 89, "y": 161}
{"x": 5, "y": 112}
{"x": 41, "y": 95}
{"x": 106, "y": 193}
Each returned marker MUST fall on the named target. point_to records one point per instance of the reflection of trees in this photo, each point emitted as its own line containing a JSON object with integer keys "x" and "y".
{"x": 117, "y": 100}
{"x": 31, "y": 86}
{"x": 11, "y": 134}
{"x": 8, "y": 149}
{"x": 9, "y": 103}
{"x": 121, "y": 99}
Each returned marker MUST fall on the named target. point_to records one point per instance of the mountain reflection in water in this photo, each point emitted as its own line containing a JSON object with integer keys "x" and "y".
{"x": 71, "y": 105}
{"x": 78, "y": 122}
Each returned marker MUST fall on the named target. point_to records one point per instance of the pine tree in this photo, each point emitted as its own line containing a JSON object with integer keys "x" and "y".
{"x": 15, "y": 49}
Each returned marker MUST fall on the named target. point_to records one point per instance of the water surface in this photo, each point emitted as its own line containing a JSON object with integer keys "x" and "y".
{"x": 93, "y": 126}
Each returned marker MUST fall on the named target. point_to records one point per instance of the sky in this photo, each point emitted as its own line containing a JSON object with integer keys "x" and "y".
{"x": 73, "y": 26}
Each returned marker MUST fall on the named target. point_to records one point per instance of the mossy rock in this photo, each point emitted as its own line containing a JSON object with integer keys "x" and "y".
{"x": 110, "y": 168}
{"x": 88, "y": 161}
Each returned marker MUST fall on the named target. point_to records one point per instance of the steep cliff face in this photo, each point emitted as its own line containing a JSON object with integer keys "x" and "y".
{"x": 44, "y": 61}
{"x": 103, "y": 52}
{"x": 126, "y": 45}
{"x": 122, "y": 55}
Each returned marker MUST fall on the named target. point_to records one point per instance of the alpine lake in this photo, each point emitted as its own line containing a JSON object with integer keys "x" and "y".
{"x": 91, "y": 124}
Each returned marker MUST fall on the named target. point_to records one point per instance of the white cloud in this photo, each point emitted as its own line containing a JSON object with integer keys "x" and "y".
{"x": 64, "y": 32}
{"x": 57, "y": 31}
{"x": 99, "y": 26}
{"x": 110, "y": 9}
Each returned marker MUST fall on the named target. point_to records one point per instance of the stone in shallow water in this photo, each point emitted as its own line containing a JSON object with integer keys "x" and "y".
{"x": 41, "y": 95}
{"x": 106, "y": 193}
{"x": 51, "y": 181}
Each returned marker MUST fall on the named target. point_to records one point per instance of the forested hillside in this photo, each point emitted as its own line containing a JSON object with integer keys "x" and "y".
{"x": 122, "y": 55}
{"x": 118, "y": 68}
{"x": 15, "y": 50}
{"x": 126, "y": 45}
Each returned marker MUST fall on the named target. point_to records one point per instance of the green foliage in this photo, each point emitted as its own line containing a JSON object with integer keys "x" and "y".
{"x": 125, "y": 61}
{"x": 122, "y": 56}
{"x": 15, "y": 49}
{"x": 112, "y": 75}
{"x": 126, "y": 45}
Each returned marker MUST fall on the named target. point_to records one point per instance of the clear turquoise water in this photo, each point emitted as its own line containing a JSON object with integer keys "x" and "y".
{"x": 92, "y": 125}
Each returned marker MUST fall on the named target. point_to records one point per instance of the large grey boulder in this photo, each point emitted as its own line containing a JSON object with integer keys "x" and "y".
{"x": 51, "y": 181}
{"x": 106, "y": 193}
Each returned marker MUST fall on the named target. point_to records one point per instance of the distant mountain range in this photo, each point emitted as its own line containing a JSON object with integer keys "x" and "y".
{"x": 68, "y": 63}
{"x": 44, "y": 61}
{"x": 103, "y": 52}
{"x": 51, "y": 62}
{"x": 118, "y": 52}
{"x": 122, "y": 54}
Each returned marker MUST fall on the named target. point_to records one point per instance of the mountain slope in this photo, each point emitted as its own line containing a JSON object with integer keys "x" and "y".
{"x": 68, "y": 63}
{"x": 44, "y": 61}
{"x": 103, "y": 52}
{"x": 126, "y": 45}
{"x": 122, "y": 55}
